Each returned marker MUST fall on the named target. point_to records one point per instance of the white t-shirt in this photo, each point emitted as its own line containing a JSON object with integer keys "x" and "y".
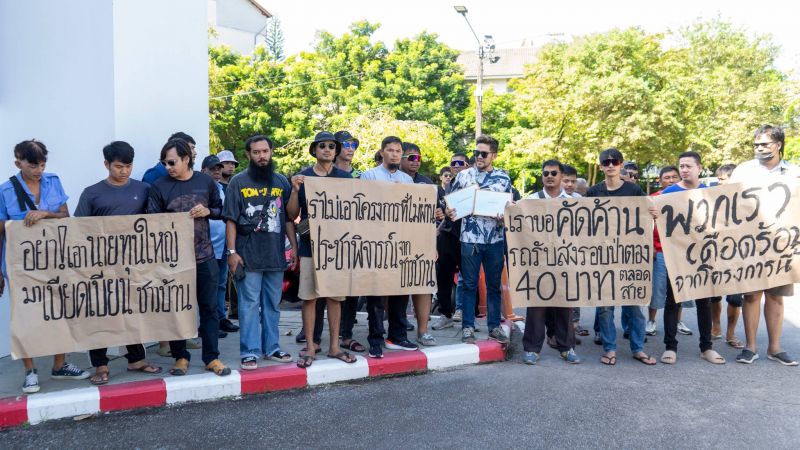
{"x": 754, "y": 170}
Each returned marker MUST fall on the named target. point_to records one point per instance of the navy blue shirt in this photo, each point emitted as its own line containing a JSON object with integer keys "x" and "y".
{"x": 106, "y": 199}
{"x": 154, "y": 173}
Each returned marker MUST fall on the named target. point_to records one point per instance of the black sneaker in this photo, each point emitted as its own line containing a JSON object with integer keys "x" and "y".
{"x": 228, "y": 326}
{"x": 375, "y": 351}
{"x": 499, "y": 335}
{"x": 405, "y": 344}
{"x": 746, "y": 357}
{"x": 783, "y": 358}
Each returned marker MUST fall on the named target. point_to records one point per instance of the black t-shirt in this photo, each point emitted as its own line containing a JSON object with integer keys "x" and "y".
{"x": 106, "y": 199}
{"x": 168, "y": 195}
{"x": 626, "y": 190}
{"x": 305, "y": 243}
{"x": 259, "y": 210}
{"x": 421, "y": 179}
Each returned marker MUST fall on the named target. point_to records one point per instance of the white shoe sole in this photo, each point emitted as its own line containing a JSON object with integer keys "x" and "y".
{"x": 31, "y": 390}
{"x": 398, "y": 347}
{"x": 772, "y": 358}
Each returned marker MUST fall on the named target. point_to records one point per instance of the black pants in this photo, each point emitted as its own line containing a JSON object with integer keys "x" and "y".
{"x": 535, "y": 320}
{"x": 136, "y": 353}
{"x": 396, "y": 305}
{"x": 449, "y": 249}
{"x": 703, "y": 308}
{"x": 207, "y": 277}
{"x": 347, "y": 323}
{"x": 550, "y": 322}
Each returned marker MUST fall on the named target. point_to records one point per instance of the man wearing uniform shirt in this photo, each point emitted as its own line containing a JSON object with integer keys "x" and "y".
{"x": 30, "y": 196}
{"x": 324, "y": 148}
{"x": 412, "y": 159}
{"x": 535, "y": 318}
{"x": 768, "y": 164}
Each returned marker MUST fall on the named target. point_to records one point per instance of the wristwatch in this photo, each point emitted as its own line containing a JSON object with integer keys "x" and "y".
{"x": 230, "y": 252}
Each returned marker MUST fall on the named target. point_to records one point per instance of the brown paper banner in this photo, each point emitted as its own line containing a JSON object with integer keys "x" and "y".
{"x": 731, "y": 239}
{"x": 372, "y": 237}
{"x": 82, "y": 283}
{"x": 580, "y": 252}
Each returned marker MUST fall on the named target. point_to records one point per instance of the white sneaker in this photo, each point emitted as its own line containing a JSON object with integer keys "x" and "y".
{"x": 650, "y": 328}
{"x": 442, "y": 323}
{"x": 683, "y": 329}
{"x": 31, "y": 384}
{"x": 458, "y": 316}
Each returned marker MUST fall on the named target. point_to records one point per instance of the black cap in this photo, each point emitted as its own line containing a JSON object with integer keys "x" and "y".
{"x": 323, "y": 136}
{"x": 210, "y": 161}
{"x": 344, "y": 136}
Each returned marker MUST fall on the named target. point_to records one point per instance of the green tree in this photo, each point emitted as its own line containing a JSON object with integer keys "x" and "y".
{"x": 274, "y": 40}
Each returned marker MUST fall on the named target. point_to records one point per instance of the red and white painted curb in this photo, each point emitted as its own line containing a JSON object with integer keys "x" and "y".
{"x": 38, "y": 408}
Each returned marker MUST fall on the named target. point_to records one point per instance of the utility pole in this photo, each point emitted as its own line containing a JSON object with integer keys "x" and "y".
{"x": 485, "y": 51}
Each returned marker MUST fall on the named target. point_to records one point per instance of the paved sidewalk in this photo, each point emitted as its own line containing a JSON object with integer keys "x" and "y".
{"x": 129, "y": 390}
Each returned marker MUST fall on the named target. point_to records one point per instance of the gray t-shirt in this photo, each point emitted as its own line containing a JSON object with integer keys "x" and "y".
{"x": 105, "y": 199}
{"x": 259, "y": 210}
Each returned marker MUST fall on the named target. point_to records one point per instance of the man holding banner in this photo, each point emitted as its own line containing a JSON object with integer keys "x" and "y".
{"x": 187, "y": 191}
{"x": 768, "y": 163}
{"x": 117, "y": 195}
{"x": 613, "y": 186}
{"x": 535, "y": 318}
{"x": 324, "y": 148}
{"x": 689, "y": 167}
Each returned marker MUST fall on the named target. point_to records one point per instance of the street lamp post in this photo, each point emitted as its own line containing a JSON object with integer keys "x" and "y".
{"x": 485, "y": 51}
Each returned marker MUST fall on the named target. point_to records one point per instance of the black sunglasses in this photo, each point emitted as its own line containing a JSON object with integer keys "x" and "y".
{"x": 458, "y": 163}
{"x": 169, "y": 162}
{"x": 550, "y": 173}
{"x": 610, "y": 162}
{"x": 481, "y": 154}
{"x": 331, "y": 146}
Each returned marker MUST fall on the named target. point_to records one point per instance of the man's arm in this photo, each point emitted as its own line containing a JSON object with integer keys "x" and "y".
{"x": 31, "y": 217}
{"x": 293, "y": 205}
{"x": 292, "y": 235}
{"x": 234, "y": 260}
{"x": 214, "y": 202}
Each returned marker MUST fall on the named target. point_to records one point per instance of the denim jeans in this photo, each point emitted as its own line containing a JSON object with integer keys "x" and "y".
{"x": 632, "y": 317}
{"x": 222, "y": 288}
{"x": 492, "y": 258}
{"x": 460, "y": 291}
{"x": 207, "y": 277}
{"x": 659, "y": 297}
{"x": 259, "y": 297}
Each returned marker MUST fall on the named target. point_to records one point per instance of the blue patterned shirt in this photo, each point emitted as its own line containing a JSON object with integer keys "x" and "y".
{"x": 477, "y": 229}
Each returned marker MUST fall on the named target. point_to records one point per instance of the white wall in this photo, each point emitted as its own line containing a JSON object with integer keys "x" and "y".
{"x": 237, "y": 23}
{"x": 77, "y": 74}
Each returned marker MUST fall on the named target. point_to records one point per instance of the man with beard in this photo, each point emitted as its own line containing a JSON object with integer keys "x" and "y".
{"x": 187, "y": 191}
{"x": 256, "y": 222}
{"x": 324, "y": 148}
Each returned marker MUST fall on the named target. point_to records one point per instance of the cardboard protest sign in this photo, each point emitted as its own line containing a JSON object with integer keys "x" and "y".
{"x": 731, "y": 239}
{"x": 372, "y": 237}
{"x": 83, "y": 283}
{"x": 580, "y": 252}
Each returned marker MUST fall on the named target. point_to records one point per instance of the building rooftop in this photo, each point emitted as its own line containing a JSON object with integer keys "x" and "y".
{"x": 511, "y": 64}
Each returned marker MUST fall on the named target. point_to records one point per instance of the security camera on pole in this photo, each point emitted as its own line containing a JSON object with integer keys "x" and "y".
{"x": 485, "y": 51}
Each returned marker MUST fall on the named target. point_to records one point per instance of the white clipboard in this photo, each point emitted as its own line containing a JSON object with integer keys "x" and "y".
{"x": 491, "y": 203}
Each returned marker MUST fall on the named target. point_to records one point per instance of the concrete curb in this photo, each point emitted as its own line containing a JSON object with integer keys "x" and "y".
{"x": 38, "y": 408}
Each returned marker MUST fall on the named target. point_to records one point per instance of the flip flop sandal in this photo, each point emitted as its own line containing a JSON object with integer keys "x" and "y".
{"x": 99, "y": 381}
{"x": 344, "y": 356}
{"x": 180, "y": 367}
{"x": 644, "y": 359}
{"x": 735, "y": 343}
{"x": 712, "y": 357}
{"x": 355, "y": 346}
{"x": 218, "y": 368}
{"x": 608, "y": 360}
{"x": 669, "y": 357}
{"x": 305, "y": 361}
{"x": 148, "y": 369}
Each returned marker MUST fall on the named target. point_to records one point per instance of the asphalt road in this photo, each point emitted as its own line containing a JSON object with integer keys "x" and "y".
{"x": 552, "y": 405}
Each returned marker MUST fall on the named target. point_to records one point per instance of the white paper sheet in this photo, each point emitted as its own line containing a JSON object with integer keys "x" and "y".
{"x": 463, "y": 201}
{"x": 490, "y": 203}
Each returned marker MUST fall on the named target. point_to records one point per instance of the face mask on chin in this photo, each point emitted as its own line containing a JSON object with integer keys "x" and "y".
{"x": 764, "y": 156}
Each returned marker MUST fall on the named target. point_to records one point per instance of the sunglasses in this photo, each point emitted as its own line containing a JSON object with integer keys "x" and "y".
{"x": 352, "y": 145}
{"x": 169, "y": 162}
{"x": 413, "y": 157}
{"x": 447, "y": 175}
{"x": 458, "y": 163}
{"x": 550, "y": 173}
{"x": 634, "y": 176}
{"x": 610, "y": 162}
{"x": 480, "y": 154}
{"x": 330, "y": 145}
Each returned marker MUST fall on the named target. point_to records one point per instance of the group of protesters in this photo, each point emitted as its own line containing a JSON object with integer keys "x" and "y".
{"x": 242, "y": 221}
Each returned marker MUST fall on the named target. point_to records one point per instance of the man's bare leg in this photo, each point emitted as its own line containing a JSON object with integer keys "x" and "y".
{"x": 751, "y": 311}
{"x": 334, "y": 322}
{"x": 733, "y": 319}
{"x": 716, "y": 319}
{"x": 773, "y": 315}
{"x": 309, "y": 312}
{"x": 422, "y": 307}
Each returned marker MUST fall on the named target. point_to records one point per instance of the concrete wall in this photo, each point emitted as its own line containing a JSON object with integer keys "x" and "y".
{"x": 77, "y": 74}
{"x": 237, "y": 23}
